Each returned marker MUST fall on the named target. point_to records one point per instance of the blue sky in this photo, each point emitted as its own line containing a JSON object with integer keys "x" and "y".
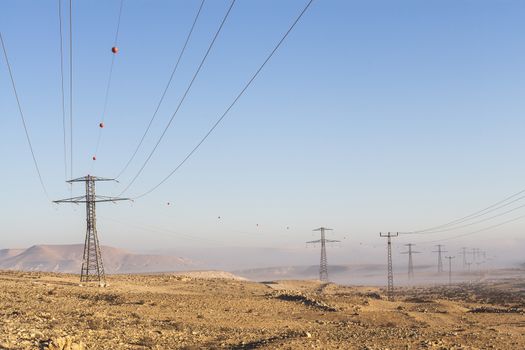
{"x": 373, "y": 116}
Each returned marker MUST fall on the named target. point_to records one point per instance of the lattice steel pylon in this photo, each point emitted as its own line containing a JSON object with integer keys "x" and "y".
{"x": 440, "y": 252}
{"x": 390, "y": 273}
{"x": 323, "y": 266}
{"x": 410, "y": 262}
{"x": 463, "y": 254}
{"x": 449, "y": 269}
{"x": 92, "y": 269}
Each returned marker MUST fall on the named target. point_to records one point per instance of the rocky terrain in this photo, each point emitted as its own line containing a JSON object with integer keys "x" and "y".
{"x": 217, "y": 311}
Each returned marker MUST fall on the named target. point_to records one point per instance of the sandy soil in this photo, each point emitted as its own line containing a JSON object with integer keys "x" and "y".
{"x": 50, "y": 311}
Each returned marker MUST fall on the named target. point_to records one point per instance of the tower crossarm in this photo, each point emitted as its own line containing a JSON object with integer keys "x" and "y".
{"x": 90, "y": 178}
{"x": 323, "y": 229}
{"x": 97, "y": 199}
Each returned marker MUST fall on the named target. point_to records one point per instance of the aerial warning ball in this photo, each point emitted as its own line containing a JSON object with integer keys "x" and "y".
{"x": 94, "y": 158}
{"x": 114, "y": 49}
{"x": 101, "y": 124}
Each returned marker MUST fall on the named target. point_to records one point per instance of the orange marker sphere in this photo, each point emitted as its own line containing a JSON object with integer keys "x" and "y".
{"x": 114, "y": 49}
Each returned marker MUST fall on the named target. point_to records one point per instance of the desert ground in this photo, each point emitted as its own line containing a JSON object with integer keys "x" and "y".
{"x": 219, "y": 311}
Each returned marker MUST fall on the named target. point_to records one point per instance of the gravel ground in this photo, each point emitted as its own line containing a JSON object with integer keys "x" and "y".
{"x": 51, "y": 311}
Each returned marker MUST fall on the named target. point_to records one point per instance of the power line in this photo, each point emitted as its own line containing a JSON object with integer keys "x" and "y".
{"x": 108, "y": 85}
{"x": 182, "y": 99}
{"x": 22, "y": 117}
{"x": 481, "y": 212}
{"x": 230, "y": 106}
{"x": 472, "y": 223}
{"x": 472, "y": 216}
{"x": 164, "y": 92}
{"x": 477, "y": 231}
{"x": 62, "y": 87}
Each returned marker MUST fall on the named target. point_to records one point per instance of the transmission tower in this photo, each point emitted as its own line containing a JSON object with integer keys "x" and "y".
{"x": 474, "y": 253}
{"x": 449, "y": 269}
{"x": 323, "y": 266}
{"x": 390, "y": 277}
{"x": 440, "y": 251}
{"x": 92, "y": 266}
{"x": 479, "y": 255}
{"x": 410, "y": 262}
{"x": 463, "y": 254}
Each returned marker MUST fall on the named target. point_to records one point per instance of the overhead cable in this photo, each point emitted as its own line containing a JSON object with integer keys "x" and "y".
{"x": 476, "y": 214}
{"x": 250, "y": 81}
{"x": 62, "y": 88}
{"x": 163, "y": 93}
{"x": 182, "y": 99}
{"x": 21, "y": 113}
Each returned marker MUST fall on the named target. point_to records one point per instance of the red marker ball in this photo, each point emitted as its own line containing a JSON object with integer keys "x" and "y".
{"x": 101, "y": 125}
{"x": 114, "y": 49}
{"x": 94, "y": 158}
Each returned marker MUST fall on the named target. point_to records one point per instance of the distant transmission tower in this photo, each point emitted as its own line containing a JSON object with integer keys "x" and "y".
{"x": 479, "y": 255}
{"x": 474, "y": 253}
{"x": 464, "y": 257}
{"x": 410, "y": 262}
{"x": 323, "y": 266}
{"x": 449, "y": 269}
{"x": 440, "y": 251}
{"x": 390, "y": 277}
{"x": 92, "y": 266}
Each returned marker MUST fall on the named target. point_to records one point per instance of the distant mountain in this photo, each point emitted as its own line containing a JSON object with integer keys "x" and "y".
{"x": 68, "y": 258}
{"x": 7, "y": 253}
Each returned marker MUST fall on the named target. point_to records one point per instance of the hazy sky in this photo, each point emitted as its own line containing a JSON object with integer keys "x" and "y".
{"x": 373, "y": 116}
